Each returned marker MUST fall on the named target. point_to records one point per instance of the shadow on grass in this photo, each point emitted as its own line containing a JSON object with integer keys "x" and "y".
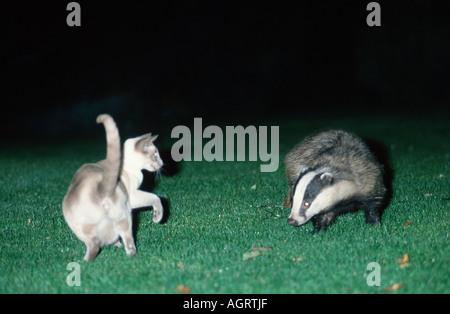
{"x": 382, "y": 155}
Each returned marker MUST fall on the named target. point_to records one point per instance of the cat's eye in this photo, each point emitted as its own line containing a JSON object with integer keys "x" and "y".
{"x": 306, "y": 204}
{"x": 155, "y": 156}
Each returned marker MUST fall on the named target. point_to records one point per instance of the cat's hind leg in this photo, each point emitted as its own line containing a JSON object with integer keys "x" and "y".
{"x": 125, "y": 232}
{"x": 88, "y": 236}
{"x": 92, "y": 248}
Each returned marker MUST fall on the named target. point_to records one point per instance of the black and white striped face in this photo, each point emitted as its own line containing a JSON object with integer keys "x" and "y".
{"x": 315, "y": 193}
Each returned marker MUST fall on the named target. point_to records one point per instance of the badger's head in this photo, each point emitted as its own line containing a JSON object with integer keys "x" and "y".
{"x": 316, "y": 192}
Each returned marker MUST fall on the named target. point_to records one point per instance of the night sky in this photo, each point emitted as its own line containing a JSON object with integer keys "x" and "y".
{"x": 162, "y": 62}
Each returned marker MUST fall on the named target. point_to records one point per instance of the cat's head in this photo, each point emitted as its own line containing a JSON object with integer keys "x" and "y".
{"x": 143, "y": 153}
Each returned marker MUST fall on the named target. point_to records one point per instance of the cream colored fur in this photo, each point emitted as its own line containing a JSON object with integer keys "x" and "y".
{"x": 98, "y": 203}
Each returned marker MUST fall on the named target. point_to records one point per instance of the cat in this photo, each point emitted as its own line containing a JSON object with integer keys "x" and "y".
{"x": 97, "y": 206}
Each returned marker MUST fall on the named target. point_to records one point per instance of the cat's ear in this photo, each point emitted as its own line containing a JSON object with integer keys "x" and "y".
{"x": 153, "y": 138}
{"x": 145, "y": 142}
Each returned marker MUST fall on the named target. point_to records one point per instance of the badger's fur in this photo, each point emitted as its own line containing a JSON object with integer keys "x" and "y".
{"x": 330, "y": 173}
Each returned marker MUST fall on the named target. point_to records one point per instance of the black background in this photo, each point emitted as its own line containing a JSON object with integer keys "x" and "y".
{"x": 161, "y": 63}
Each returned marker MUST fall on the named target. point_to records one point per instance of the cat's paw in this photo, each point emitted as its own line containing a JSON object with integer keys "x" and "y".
{"x": 157, "y": 214}
{"x": 131, "y": 251}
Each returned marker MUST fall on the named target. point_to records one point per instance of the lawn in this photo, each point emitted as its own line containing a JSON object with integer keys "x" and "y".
{"x": 226, "y": 231}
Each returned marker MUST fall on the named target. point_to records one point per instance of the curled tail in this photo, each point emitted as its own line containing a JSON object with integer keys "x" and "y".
{"x": 113, "y": 156}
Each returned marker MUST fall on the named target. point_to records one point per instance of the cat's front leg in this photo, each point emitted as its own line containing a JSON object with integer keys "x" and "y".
{"x": 140, "y": 199}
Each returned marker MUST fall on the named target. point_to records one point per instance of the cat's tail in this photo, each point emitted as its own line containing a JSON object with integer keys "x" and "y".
{"x": 113, "y": 156}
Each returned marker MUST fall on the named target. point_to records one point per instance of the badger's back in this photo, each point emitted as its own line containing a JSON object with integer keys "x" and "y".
{"x": 343, "y": 155}
{"x": 339, "y": 151}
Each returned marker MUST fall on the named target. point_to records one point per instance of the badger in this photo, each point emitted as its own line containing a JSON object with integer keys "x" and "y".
{"x": 329, "y": 173}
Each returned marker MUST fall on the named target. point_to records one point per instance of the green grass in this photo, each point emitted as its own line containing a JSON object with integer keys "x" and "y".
{"x": 216, "y": 217}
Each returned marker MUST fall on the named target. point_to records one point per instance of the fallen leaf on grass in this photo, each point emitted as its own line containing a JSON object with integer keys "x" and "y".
{"x": 253, "y": 187}
{"x": 407, "y": 223}
{"x": 297, "y": 259}
{"x": 261, "y": 248}
{"x": 404, "y": 261}
{"x": 183, "y": 289}
{"x": 394, "y": 287}
{"x": 28, "y": 221}
{"x": 252, "y": 254}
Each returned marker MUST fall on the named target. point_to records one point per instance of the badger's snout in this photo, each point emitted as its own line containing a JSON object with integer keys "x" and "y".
{"x": 293, "y": 222}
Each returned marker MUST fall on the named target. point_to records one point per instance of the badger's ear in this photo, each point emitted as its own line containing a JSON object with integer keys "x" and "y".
{"x": 326, "y": 178}
{"x": 304, "y": 170}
